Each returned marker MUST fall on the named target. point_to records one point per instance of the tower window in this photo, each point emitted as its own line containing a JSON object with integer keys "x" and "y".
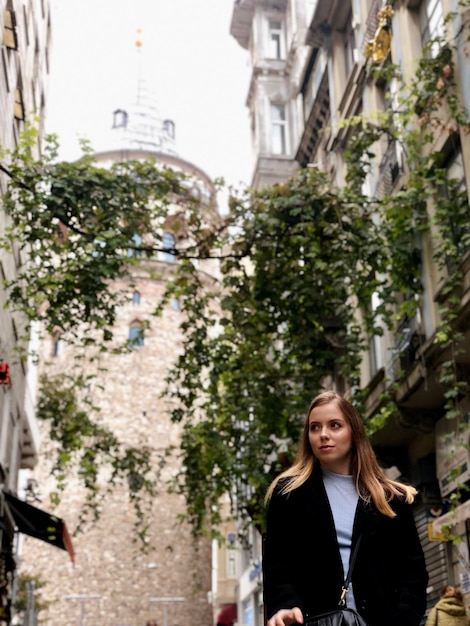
{"x": 120, "y": 118}
{"x": 136, "y": 241}
{"x": 136, "y": 335}
{"x": 136, "y": 298}
{"x": 169, "y": 243}
{"x": 169, "y": 128}
{"x": 57, "y": 348}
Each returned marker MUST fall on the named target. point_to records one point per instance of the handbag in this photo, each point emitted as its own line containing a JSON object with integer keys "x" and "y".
{"x": 342, "y": 616}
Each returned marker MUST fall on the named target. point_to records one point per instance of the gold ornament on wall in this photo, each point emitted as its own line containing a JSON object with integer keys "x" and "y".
{"x": 378, "y": 48}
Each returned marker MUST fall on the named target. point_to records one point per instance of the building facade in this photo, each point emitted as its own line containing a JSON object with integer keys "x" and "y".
{"x": 311, "y": 62}
{"x": 25, "y": 32}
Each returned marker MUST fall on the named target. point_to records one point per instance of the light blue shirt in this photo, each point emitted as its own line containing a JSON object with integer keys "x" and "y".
{"x": 343, "y": 498}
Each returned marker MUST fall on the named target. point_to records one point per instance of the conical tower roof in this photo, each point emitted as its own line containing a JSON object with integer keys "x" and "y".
{"x": 139, "y": 125}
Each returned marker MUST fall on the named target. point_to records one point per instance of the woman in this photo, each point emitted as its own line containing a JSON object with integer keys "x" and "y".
{"x": 318, "y": 508}
{"x": 449, "y": 610}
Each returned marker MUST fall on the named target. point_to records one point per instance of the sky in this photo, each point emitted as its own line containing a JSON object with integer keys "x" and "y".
{"x": 199, "y": 73}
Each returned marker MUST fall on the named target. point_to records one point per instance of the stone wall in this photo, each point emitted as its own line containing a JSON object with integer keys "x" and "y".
{"x": 113, "y": 583}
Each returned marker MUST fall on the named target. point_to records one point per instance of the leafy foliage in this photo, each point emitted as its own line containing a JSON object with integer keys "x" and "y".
{"x": 84, "y": 446}
{"x": 300, "y": 263}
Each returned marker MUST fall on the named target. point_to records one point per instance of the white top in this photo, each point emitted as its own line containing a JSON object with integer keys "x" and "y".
{"x": 343, "y": 499}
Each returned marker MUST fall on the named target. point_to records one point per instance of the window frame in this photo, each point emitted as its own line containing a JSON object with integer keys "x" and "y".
{"x": 278, "y": 128}
{"x": 10, "y": 36}
{"x": 427, "y": 16}
{"x": 276, "y": 48}
{"x": 135, "y": 335}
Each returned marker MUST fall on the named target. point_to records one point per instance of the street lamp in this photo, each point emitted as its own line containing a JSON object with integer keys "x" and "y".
{"x": 166, "y": 601}
{"x": 82, "y": 598}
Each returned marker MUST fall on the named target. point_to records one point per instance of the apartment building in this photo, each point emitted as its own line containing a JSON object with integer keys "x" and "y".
{"x": 25, "y": 30}
{"x": 312, "y": 63}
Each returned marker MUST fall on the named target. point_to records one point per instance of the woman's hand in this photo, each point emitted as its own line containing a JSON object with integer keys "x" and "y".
{"x": 286, "y": 617}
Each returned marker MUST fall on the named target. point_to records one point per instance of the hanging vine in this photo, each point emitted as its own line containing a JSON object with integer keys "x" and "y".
{"x": 299, "y": 265}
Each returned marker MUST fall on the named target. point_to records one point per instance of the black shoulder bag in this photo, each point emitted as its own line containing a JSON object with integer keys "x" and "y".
{"x": 342, "y": 616}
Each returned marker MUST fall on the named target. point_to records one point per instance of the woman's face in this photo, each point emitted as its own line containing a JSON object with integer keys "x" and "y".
{"x": 330, "y": 437}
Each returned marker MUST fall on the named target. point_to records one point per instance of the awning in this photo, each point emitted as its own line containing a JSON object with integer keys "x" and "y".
{"x": 39, "y": 524}
{"x": 228, "y": 615}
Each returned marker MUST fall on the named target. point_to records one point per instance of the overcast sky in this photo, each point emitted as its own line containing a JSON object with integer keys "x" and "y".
{"x": 198, "y": 70}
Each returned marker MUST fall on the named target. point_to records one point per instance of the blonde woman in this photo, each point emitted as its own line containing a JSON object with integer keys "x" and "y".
{"x": 449, "y": 610}
{"x": 317, "y": 509}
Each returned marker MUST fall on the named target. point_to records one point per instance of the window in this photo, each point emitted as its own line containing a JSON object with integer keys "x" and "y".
{"x": 431, "y": 23}
{"x": 276, "y": 40}
{"x": 169, "y": 243}
{"x": 136, "y": 298}
{"x": 454, "y": 191}
{"x": 136, "y": 335}
{"x": 278, "y": 129}
{"x": 10, "y": 38}
{"x": 120, "y": 118}
{"x": 175, "y": 304}
{"x": 231, "y": 563}
{"x": 169, "y": 128}
{"x": 349, "y": 46}
{"x": 376, "y": 360}
{"x": 57, "y": 348}
{"x": 19, "y": 106}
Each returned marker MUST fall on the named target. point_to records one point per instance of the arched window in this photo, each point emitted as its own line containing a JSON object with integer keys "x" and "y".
{"x": 169, "y": 128}
{"x": 57, "y": 349}
{"x": 169, "y": 243}
{"x": 136, "y": 335}
{"x": 120, "y": 118}
{"x": 57, "y": 345}
{"x": 136, "y": 298}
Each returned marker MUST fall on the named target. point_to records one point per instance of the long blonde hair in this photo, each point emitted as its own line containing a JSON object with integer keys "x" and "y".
{"x": 371, "y": 482}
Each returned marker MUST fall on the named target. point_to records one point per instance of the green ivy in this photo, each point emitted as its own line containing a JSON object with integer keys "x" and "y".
{"x": 299, "y": 264}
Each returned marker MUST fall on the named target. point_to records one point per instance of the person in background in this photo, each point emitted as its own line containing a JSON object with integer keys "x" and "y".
{"x": 334, "y": 494}
{"x": 449, "y": 610}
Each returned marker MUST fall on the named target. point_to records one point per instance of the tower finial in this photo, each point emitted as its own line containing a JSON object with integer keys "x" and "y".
{"x": 138, "y": 42}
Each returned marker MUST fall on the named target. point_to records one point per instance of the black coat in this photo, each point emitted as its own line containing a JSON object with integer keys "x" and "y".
{"x": 302, "y": 563}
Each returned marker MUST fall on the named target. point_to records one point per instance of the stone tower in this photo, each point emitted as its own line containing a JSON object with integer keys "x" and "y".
{"x": 113, "y": 583}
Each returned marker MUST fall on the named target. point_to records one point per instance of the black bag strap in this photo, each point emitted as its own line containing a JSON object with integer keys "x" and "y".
{"x": 347, "y": 580}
